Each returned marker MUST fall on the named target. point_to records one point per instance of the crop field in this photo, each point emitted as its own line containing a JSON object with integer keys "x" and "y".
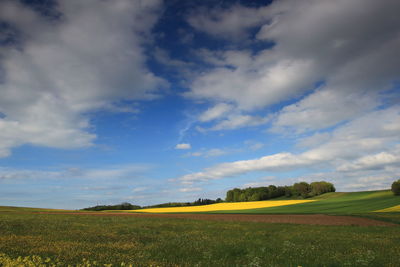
{"x": 74, "y": 239}
{"x": 391, "y": 209}
{"x": 335, "y": 229}
{"x": 329, "y": 203}
{"x": 336, "y": 203}
{"x": 227, "y": 206}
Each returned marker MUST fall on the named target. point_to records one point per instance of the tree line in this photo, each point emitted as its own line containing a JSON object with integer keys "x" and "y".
{"x": 122, "y": 206}
{"x": 301, "y": 189}
{"x": 128, "y": 206}
{"x": 198, "y": 202}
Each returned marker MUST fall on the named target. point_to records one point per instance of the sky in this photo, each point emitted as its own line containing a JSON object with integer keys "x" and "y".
{"x": 150, "y": 101}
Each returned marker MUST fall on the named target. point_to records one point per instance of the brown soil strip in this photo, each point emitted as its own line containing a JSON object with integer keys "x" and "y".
{"x": 313, "y": 219}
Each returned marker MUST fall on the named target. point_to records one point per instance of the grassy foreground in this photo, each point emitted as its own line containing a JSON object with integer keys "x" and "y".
{"x": 79, "y": 240}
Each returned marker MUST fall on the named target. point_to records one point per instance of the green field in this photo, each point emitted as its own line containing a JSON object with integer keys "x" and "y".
{"x": 30, "y": 238}
{"x": 336, "y": 203}
{"x": 69, "y": 239}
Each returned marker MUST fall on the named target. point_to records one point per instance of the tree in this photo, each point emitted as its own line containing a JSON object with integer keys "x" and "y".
{"x": 288, "y": 191}
{"x": 272, "y": 191}
{"x": 229, "y": 196}
{"x": 322, "y": 187}
{"x": 263, "y": 191}
{"x": 396, "y": 188}
{"x": 236, "y": 194}
{"x": 302, "y": 189}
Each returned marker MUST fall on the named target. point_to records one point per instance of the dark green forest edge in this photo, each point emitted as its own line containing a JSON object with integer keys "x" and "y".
{"x": 128, "y": 206}
{"x": 302, "y": 189}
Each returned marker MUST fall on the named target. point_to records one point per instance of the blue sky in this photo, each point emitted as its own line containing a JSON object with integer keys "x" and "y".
{"x": 103, "y": 102}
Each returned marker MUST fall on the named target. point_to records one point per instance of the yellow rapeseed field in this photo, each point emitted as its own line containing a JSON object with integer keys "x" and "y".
{"x": 391, "y": 209}
{"x": 226, "y": 206}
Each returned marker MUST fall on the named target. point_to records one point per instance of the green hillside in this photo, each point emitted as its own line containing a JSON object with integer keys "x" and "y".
{"x": 342, "y": 203}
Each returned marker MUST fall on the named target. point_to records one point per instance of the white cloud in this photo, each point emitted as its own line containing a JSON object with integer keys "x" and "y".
{"x": 233, "y": 22}
{"x": 215, "y": 112}
{"x": 315, "y": 41}
{"x": 375, "y": 161}
{"x": 236, "y": 121}
{"x": 183, "y": 146}
{"x": 260, "y": 83}
{"x": 280, "y": 161}
{"x": 359, "y": 140}
{"x": 324, "y": 108}
{"x": 90, "y": 59}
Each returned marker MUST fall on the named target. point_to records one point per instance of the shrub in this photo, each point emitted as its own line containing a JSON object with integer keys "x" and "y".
{"x": 396, "y": 188}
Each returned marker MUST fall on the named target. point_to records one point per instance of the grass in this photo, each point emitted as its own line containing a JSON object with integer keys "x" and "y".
{"x": 69, "y": 239}
{"x": 31, "y": 238}
{"x": 336, "y": 203}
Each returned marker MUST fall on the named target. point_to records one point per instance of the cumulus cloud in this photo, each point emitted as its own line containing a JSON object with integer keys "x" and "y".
{"x": 355, "y": 141}
{"x": 374, "y": 162}
{"x": 255, "y": 85}
{"x": 233, "y": 22}
{"x": 324, "y": 108}
{"x": 59, "y": 69}
{"x": 324, "y": 45}
{"x": 183, "y": 146}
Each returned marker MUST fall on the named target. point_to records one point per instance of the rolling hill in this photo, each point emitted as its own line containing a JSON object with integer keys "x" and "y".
{"x": 332, "y": 203}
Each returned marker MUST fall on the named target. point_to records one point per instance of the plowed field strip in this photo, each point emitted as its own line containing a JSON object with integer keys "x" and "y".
{"x": 314, "y": 219}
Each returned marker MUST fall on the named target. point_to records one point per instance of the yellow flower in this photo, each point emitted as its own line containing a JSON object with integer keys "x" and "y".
{"x": 226, "y": 206}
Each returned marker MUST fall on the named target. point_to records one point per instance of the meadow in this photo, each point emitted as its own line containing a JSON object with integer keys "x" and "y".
{"x": 64, "y": 239}
{"x": 39, "y": 237}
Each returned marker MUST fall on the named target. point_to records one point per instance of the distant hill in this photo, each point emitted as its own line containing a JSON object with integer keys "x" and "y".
{"x": 337, "y": 203}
